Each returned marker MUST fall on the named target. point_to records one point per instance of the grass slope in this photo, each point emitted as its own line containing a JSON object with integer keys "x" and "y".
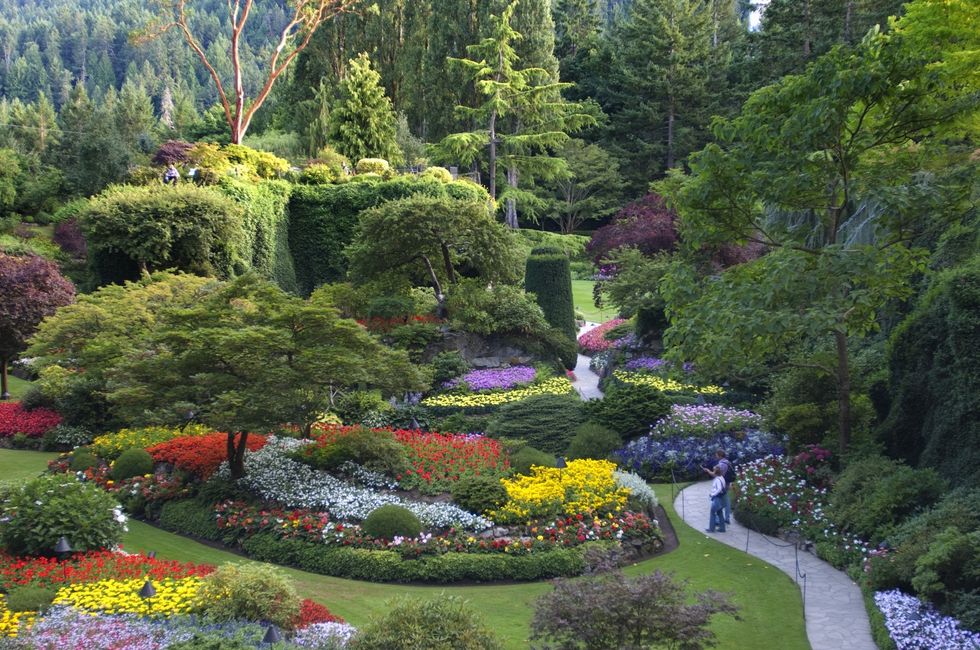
{"x": 771, "y": 607}
{"x": 582, "y": 296}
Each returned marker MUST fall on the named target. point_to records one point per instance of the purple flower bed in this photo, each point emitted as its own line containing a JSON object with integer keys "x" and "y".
{"x": 652, "y": 457}
{"x": 494, "y": 378}
{"x": 704, "y": 420}
{"x": 64, "y": 627}
{"x": 914, "y": 625}
{"x": 325, "y": 635}
{"x": 648, "y": 364}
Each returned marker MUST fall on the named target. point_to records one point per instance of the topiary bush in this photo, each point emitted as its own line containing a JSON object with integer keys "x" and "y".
{"x": 440, "y": 174}
{"x": 629, "y": 409}
{"x": 390, "y": 521}
{"x": 479, "y": 494}
{"x": 543, "y": 421}
{"x": 549, "y": 277}
{"x": 522, "y": 460}
{"x": 132, "y": 462}
{"x": 592, "y": 440}
{"x": 57, "y": 505}
{"x": 444, "y": 624}
{"x": 251, "y": 592}
{"x": 377, "y": 166}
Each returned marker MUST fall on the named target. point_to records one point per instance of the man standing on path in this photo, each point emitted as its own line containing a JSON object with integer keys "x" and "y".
{"x": 721, "y": 461}
{"x": 718, "y": 490}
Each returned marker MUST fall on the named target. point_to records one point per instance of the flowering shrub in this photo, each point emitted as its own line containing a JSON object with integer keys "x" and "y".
{"x": 705, "y": 421}
{"x": 654, "y": 458}
{"x": 640, "y": 491}
{"x": 914, "y": 625}
{"x": 200, "y": 455}
{"x": 91, "y": 567}
{"x": 15, "y": 419}
{"x": 665, "y": 384}
{"x": 553, "y": 386}
{"x": 173, "y": 596}
{"x": 110, "y": 445}
{"x": 595, "y": 340}
{"x": 584, "y": 487}
{"x": 324, "y": 635}
{"x": 813, "y": 463}
{"x": 272, "y": 475}
{"x": 493, "y": 378}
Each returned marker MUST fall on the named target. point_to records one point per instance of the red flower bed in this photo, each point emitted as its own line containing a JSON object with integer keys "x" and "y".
{"x": 16, "y": 419}
{"x": 90, "y": 567}
{"x": 247, "y": 520}
{"x": 595, "y": 339}
{"x": 311, "y": 612}
{"x": 378, "y": 324}
{"x": 200, "y": 455}
{"x": 438, "y": 459}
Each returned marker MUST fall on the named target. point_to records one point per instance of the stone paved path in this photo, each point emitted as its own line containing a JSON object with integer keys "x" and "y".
{"x": 586, "y": 382}
{"x": 835, "y": 614}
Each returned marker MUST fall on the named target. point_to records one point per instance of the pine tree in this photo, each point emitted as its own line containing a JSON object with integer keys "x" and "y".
{"x": 35, "y": 125}
{"x": 134, "y": 117}
{"x": 362, "y": 122}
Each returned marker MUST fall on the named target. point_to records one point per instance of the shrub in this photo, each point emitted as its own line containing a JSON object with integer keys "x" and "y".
{"x": 390, "y": 521}
{"x": 593, "y": 440}
{"x": 253, "y": 592}
{"x": 583, "y": 487}
{"x": 444, "y": 624}
{"x": 447, "y": 366}
{"x": 549, "y": 278}
{"x": 682, "y": 458}
{"x": 874, "y": 494}
{"x": 415, "y": 337}
{"x": 82, "y": 459}
{"x": 132, "y": 462}
{"x": 376, "y": 449}
{"x": 377, "y": 166}
{"x": 68, "y": 235}
{"x": 647, "y": 224}
{"x": 440, "y": 174}
{"x": 30, "y": 598}
{"x": 543, "y": 421}
{"x": 188, "y": 517}
{"x": 614, "y": 611}
{"x": 479, "y": 494}
{"x": 525, "y": 458}
{"x": 501, "y": 309}
{"x": 54, "y": 506}
{"x": 629, "y": 409}
{"x": 318, "y": 173}
{"x": 68, "y": 437}
{"x": 358, "y": 405}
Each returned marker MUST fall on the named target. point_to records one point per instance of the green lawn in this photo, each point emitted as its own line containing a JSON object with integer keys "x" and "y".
{"x": 18, "y": 387}
{"x": 771, "y": 607}
{"x": 17, "y": 466}
{"x": 582, "y": 296}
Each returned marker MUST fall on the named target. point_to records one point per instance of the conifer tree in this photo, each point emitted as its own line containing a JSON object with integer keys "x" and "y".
{"x": 362, "y": 122}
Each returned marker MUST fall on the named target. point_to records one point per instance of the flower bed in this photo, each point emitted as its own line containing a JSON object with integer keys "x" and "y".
{"x": 91, "y": 567}
{"x": 200, "y": 455}
{"x": 704, "y": 421}
{"x": 11, "y": 623}
{"x": 682, "y": 457}
{"x": 553, "y": 386}
{"x": 493, "y": 379}
{"x": 665, "y": 384}
{"x": 15, "y": 419}
{"x": 110, "y": 445}
{"x": 595, "y": 339}
{"x": 914, "y": 625}
{"x": 173, "y": 596}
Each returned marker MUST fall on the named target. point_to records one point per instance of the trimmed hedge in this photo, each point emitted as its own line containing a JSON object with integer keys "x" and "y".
{"x": 322, "y": 219}
{"x": 389, "y": 566}
{"x": 189, "y": 517}
{"x": 549, "y": 277}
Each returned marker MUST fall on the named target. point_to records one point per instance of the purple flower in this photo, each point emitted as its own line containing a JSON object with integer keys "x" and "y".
{"x": 914, "y": 625}
{"x": 704, "y": 420}
{"x": 494, "y": 378}
{"x": 652, "y": 457}
{"x": 647, "y": 364}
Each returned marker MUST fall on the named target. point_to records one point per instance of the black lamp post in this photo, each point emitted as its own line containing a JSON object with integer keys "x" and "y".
{"x": 63, "y": 549}
{"x": 560, "y": 464}
{"x": 271, "y": 635}
{"x": 147, "y": 590}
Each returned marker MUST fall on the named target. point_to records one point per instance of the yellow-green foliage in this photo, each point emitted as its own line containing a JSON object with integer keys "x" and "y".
{"x": 584, "y": 487}
{"x": 111, "y": 445}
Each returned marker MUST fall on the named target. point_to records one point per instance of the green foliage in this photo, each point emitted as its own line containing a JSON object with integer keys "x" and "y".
{"x": 65, "y": 436}
{"x": 323, "y": 218}
{"x": 629, "y": 409}
{"x": 216, "y": 161}
{"x": 57, "y": 505}
{"x": 358, "y": 405}
{"x": 545, "y": 422}
{"x": 479, "y": 494}
{"x": 522, "y": 460}
{"x": 378, "y": 166}
{"x": 319, "y": 174}
{"x": 377, "y": 450}
{"x": 390, "y": 521}
{"x": 414, "y": 338}
{"x": 189, "y": 517}
{"x": 29, "y": 598}
{"x": 447, "y": 365}
{"x": 548, "y": 276}
{"x": 132, "y": 462}
{"x": 935, "y": 390}
{"x": 82, "y": 459}
{"x": 593, "y": 440}
{"x": 440, "y": 174}
{"x": 592, "y": 189}
{"x": 634, "y": 290}
{"x": 499, "y": 309}
{"x": 362, "y": 121}
{"x": 874, "y": 494}
{"x": 444, "y": 624}
{"x": 251, "y": 592}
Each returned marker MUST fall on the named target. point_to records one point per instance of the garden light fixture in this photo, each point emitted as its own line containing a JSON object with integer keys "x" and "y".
{"x": 271, "y": 635}
{"x": 147, "y": 590}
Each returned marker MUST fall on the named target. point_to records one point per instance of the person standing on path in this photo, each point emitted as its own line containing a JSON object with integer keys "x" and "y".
{"x": 718, "y": 489}
{"x": 721, "y": 460}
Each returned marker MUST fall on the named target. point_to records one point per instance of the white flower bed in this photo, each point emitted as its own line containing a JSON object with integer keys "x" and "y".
{"x": 271, "y": 474}
{"x": 638, "y": 488}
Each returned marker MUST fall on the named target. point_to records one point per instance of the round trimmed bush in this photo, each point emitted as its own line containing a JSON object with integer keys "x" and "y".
{"x": 478, "y": 494}
{"x": 82, "y": 459}
{"x": 57, "y": 505}
{"x": 440, "y": 174}
{"x": 522, "y": 460}
{"x": 390, "y": 521}
{"x": 543, "y": 421}
{"x": 132, "y": 462}
{"x": 377, "y": 166}
{"x": 251, "y": 592}
{"x": 593, "y": 440}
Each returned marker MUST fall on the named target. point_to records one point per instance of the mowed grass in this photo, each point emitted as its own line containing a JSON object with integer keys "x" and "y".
{"x": 582, "y": 297}
{"x": 771, "y": 612}
{"x": 17, "y": 466}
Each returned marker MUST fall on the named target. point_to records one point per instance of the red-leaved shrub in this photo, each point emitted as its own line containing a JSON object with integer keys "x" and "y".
{"x": 647, "y": 224}
{"x": 68, "y": 235}
{"x": 15, "y": 419}
{"x": 200, "y": 455}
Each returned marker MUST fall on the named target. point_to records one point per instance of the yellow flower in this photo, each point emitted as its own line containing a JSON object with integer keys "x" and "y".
{"x": 665, "y": 384}
{"x": 553, "y": 386}
{"x": 173, "y": 596}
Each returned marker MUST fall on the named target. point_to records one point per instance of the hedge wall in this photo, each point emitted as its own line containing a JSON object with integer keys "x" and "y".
{"x": 322, "y": 219}
{"x": 549, "y": 278}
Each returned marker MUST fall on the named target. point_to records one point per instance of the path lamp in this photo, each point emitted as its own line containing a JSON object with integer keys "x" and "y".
{"x": 271, "y": 635}
{"x": 63, "y": 549}
{"x": 147, "y": 590}
{"x": 560, "y": 464}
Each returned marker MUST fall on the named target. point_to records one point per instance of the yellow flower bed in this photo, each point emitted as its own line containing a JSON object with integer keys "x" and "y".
{"x": 122, "y": 596}
{"x": 110, "y": 445}
{"x": 553, "y": 386}
{"x": 585, "y": 486}
{"x": 665, "y": 384}
{"x": 12, "y": 622}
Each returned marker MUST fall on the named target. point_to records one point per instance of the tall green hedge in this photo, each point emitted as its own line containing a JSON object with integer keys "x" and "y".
{"x": 935, "y": 386}
{"x": 549, "y": 278}
{"x": 322, "y": 219}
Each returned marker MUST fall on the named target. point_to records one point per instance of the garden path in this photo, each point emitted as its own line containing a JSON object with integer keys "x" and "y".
{"x": 586, "y": 382}
{"x": 834, "y": 609}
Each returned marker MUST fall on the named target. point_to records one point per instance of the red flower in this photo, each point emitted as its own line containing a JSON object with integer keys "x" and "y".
{"x": 16, "y": 419}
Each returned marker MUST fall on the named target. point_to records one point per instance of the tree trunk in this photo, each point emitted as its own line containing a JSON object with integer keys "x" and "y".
{"x": 511, "y": 210}
{"x": 4, "y": 393}
{"x": 848, "y": 17}
{"x": 447, "y": 261}
{"x": 236, "y": 454}
{"x": 493, "y": 155}
{"x": 670, "y": 137}
{"x": 843, "y": 391}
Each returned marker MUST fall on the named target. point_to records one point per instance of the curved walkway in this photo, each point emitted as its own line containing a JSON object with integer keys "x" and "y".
{"x": 834, "y": 609}
{"x": 586, "y": 382}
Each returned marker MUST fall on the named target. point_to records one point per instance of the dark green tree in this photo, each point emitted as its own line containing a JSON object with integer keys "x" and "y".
{"x": 362, "y": 121}
{"x": 548, "y": 276}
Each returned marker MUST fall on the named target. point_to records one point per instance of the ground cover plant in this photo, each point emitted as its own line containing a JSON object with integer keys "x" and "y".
{"x": 475, "y": 402}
